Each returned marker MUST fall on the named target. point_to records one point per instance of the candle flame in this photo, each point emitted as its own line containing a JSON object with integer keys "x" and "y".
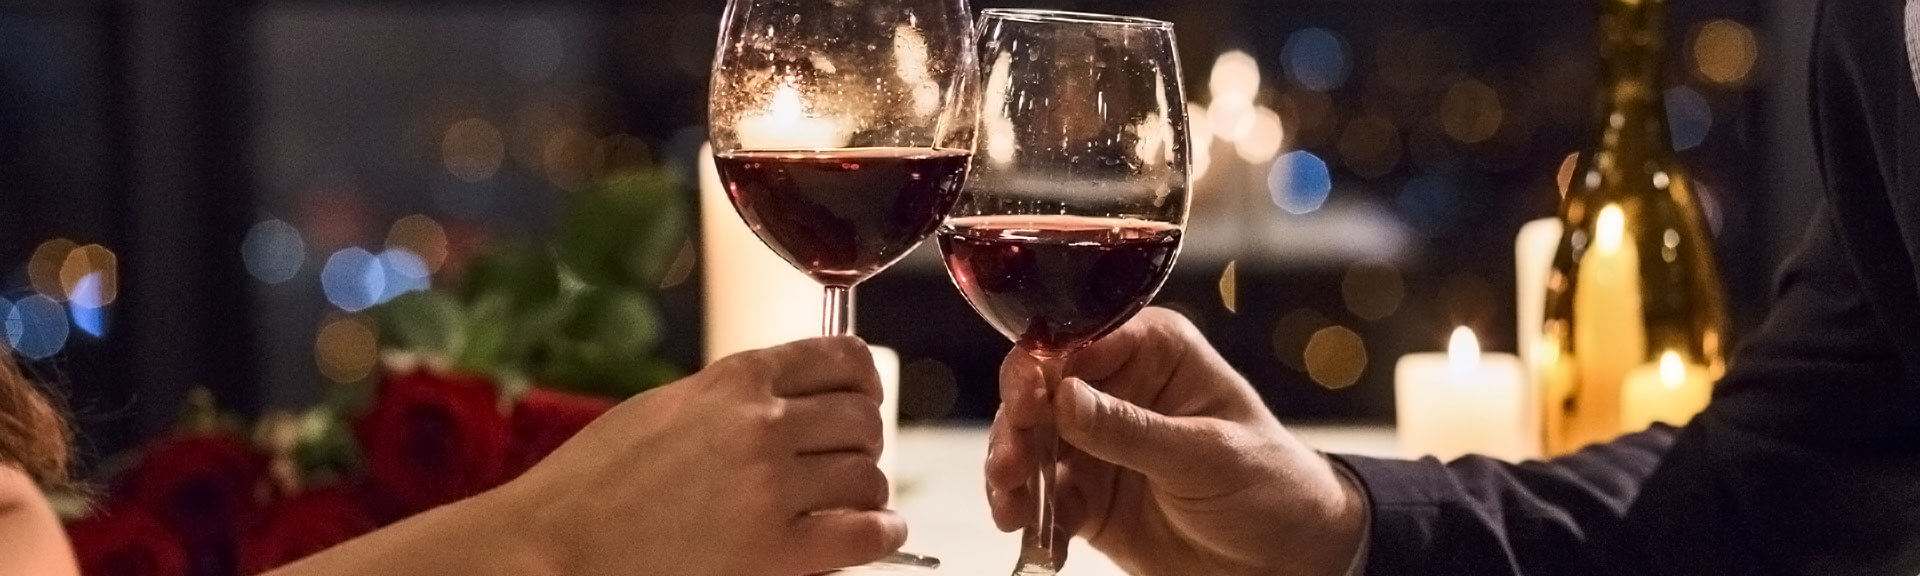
{"x": 1463, "y": 352}
{"x": 1673, "y": 372}
{"x": 786, "y": 106}
{"x": 1609, "y": 229}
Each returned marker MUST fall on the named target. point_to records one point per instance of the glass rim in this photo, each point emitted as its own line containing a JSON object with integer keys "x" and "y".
{"x": 1068, "y": 16}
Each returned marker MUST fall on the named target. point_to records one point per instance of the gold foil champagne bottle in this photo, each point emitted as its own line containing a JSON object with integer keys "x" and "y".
{"x": 1635, "y": 320}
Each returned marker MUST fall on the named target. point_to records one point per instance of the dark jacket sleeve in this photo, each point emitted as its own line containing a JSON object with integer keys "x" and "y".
{"x": 1807, "y": 461}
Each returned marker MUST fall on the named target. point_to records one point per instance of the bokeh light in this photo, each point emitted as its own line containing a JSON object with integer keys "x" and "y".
{"x": 1316, "y": 58}
{"x": 1470, "y": 112}
{"x": 1430, "y": 203}
{"x": 402, "y": 271}
{"x": 1263, "y": 140}
{"x": 928, "y": 390}
{"x": 1232, "y": 121}
{"x": 36, "y": 326}
{"x": 1370, "y": 146}
{"x": 570, "y": 159}
{"x": 472, "y": 149}
{"x": 1336, "y": 357}
{"x": 682, "y": 266}
{"x": 90, "y": 276}
{"x": 1689, "y": 117}
{"x": 353, "y": 279}
{"x": 273, "y": 251}
{"x": 421, "y": 235}
{"x": 1724, "y": 52}
{"x": 43, "y": 267}
{"x": 1235, "y": 78}
{"x": 1373, "y": 289}
{"x": 345, "y": 349}
{"x": 530, "y": 50}
{"x": 1291, "y": 334}
{"x": 1229, "y": 286}
{"x": 92, "y": 321}
{"x": 1299, "y": 182}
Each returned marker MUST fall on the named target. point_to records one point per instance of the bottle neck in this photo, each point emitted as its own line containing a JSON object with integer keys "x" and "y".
{"x": 1632, "y": 44}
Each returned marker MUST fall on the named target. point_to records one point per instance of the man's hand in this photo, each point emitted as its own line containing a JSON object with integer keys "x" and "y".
{"x": 1170, "y": 463}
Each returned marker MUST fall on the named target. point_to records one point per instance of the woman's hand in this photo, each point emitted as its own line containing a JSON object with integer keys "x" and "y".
{"x": 765, "y": 463}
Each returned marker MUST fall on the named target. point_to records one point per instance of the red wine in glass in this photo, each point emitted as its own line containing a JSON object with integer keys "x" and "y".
{"x": 1053, "y": 283}
{"x": 841, "y": 215}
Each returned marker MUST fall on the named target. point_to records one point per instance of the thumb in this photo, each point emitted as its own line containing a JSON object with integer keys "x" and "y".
{"x": 1126, "y": 434}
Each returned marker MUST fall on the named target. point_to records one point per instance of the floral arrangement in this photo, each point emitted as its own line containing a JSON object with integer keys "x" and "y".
{"x": 477, "y": 384}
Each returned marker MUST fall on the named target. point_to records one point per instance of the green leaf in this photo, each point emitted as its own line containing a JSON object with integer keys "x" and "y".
{"x": 526, "y": 276}
{"x": 626, "y": 230}
{"x": 489, "y": 323}
{"x": 423, "y": 321}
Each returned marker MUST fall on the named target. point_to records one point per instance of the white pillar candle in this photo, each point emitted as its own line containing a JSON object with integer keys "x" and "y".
{"x": 1463, "y": 402}
{"x": 1672, "y": 390}
{"x": 1610, "y": 334}
{"x": 1533, "y": 252}
{"x": 754, "y": 299}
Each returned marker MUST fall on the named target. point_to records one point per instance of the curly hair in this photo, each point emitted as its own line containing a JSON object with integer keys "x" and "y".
{"x": 33, "y": 433}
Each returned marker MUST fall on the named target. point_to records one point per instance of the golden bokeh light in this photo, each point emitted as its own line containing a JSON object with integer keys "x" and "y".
{"x": 1263, "y": 141}
{"x": 1200, "y": 133}
{"x": 1565, "y": 178}
{"x": 1291, "y": 334}
{"x": 1230, "y": 287}
{"x": 1336, "y": 357}
{"x": 43, "y": 267}
{"x": 421, "y": 235}
{"x": 345, "y": 349}
{"x": 1235, "y": 79}
{"x": 90, "y": 276}
{"x": 1724, "y": 52}
{"x": 1373, "y": 289}
{"x": 472, "y": 149}
{"x": 571, "y": 158}
{"x": 682, "y": 266}
{"x": 1470, "y": 112}
{"x": 1370, "y": 146}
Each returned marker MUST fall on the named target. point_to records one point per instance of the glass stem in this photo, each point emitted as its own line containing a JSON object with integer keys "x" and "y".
{"x": 836, "y": 311}
{"x": 1040, "y": 543}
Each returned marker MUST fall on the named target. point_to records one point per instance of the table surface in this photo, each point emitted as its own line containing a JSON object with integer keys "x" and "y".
{"x": 941, "y": 496}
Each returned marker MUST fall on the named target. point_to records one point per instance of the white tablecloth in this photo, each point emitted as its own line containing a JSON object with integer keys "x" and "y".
{"x": 940, "y": 485}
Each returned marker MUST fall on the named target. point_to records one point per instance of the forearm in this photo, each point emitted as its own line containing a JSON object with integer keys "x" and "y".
{"x": 1482, "y": 516}
{"x": 31, "y": 541}
{"x": 490, "y": 534}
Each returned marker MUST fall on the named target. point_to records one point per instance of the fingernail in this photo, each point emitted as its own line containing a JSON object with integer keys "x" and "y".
{"x": 1080, "y": 399}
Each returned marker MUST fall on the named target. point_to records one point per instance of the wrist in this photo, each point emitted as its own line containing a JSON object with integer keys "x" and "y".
{"x": 1349, "y": 520}
{"x": 520, "y": 531}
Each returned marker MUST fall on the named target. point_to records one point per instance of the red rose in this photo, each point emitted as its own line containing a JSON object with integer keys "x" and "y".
{"x": 434, "y": 438}
{"x": 545, "y": 419}
{"x": 300, "y": 526}
{"x": 201, "y": 486}
{"x": 127, "y": 541}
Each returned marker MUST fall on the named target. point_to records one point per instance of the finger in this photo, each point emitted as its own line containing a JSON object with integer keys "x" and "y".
{"x": 1022, "y": 390}
{"x": 1009, "y": 463}
{"x": 1122, "y": 433}
{"x": 834, "y": 540}
{"x": 833, "y": 422}
{"x": 1144, "y": 338}
{"x": 836, "y": 481}
{"x": 813, "y": 366}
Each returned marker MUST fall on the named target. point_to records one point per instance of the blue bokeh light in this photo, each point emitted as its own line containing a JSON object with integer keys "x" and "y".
{"x": 1316, "y": 58}
{"x": 403, "y": 272}
{"x": 1299, "y": 182}
{"x": 273, "y": 251}
{"x": 36, "y": 327}
{"x": 1431, "y": 204}
{"x": 1689, "y": 117}
{"x": 353, "y": 279}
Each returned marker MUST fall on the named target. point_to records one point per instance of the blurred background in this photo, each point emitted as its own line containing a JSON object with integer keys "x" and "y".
{"x": 201, "y": 194}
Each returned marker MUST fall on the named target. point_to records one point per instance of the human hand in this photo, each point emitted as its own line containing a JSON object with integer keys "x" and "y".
{"x": 765, "y": 463}
{"x": 1170, "y": 463}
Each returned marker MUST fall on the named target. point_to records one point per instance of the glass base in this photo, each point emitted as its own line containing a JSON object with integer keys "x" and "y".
{"x": 900, "y": 561}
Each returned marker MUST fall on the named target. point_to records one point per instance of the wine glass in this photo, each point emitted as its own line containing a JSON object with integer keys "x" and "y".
{"x": 842, "y": 131}
{"x": 1072, "y": 215}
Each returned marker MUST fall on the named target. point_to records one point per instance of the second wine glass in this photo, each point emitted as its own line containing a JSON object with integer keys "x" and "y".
{"x": 1072, "y": 215}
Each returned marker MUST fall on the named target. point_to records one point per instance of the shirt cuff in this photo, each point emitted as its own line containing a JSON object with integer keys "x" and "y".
{"x": 1352, "y": 481}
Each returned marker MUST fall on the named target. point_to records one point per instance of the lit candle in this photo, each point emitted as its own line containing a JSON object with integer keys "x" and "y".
{"x": 1672, "y": 390}
{"x": 1610, "y": 336}
{"x": 789, "y": 124}
{"x": 754, "y": 299}
{"x": 1463, "y": 402}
